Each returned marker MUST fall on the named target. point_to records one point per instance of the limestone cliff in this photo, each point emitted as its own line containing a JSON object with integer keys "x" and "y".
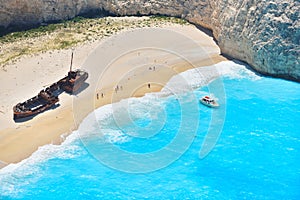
{"x": 264, "y": 33}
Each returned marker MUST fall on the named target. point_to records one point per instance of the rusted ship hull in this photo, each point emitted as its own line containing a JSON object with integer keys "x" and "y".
{"x": 24, "y": 114}
{"x": 43, "y": 101}
{"x": 73, "y": 82}
{"x": 49, "y": 97}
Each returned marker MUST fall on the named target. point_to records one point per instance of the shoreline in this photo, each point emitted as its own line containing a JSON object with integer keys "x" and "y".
{"x": 19, "y": 141}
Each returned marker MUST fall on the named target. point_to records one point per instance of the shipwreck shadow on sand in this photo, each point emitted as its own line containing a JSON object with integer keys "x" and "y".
{"x": 83, "y": 87}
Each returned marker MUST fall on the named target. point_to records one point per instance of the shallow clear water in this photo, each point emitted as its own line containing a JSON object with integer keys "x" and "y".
{"x": 256, "y": 157}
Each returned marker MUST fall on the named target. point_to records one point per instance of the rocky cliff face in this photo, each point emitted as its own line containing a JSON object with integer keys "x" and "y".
{"x": 264, "y": 33}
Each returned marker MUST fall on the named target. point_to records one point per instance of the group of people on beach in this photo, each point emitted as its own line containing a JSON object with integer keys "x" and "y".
{"x": 152, "y": 68}
{"x": 118, "y": 88}
{"x": 102, "y": 95}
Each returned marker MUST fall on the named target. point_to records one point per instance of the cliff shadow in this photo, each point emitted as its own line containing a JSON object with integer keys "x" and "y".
{"x": 207, "y": 31}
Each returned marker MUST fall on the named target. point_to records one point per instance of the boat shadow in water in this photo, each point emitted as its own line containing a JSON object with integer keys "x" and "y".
{"x": 20, "y": 120}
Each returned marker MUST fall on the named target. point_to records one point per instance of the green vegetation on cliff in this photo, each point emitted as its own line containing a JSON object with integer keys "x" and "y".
{"x": 71, "y": 33}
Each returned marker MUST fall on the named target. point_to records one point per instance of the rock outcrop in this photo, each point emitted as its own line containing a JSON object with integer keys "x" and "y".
{"x": 263, "y": 33}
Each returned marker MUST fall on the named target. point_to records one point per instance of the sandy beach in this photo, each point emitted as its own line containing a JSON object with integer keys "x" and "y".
{"x": 113, "y": 75}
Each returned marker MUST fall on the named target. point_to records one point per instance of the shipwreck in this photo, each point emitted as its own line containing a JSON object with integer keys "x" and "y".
{"x": 48, "y": 97}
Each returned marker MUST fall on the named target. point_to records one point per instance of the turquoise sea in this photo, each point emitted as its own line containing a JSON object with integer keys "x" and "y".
{"x": 157, "y": 155}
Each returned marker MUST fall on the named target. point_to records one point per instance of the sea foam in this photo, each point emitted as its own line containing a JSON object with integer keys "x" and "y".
{"x": 193, "y": 78}
{"x": 202, "y": 76}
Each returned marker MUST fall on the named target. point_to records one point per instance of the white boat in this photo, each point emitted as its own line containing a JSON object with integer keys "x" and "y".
{"x": 209, "y": 101}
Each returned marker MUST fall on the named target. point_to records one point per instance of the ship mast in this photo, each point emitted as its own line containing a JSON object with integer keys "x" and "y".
{"x": 71, "y": 62}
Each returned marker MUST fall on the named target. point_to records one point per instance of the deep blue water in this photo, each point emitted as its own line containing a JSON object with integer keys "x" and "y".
{"x": 256, "y": 157}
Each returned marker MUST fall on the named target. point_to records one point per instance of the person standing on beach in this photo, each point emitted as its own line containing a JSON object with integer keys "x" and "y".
{"x": 149, "y": 85}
